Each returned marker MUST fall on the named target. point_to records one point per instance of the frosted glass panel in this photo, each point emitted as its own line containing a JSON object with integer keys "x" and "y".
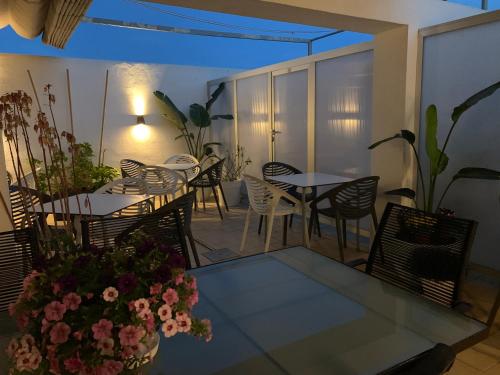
{"x": 223, "y": 130}
{"x": 343, "y": 114}
{"x": 290, "y": 119}
{"x": 451, "y": 75}
{"x": 253, "y": 121}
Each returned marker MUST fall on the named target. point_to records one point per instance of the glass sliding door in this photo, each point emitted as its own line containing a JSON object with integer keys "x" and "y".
{"x": 290, "y": 118}
{"x": 254, "y": 125}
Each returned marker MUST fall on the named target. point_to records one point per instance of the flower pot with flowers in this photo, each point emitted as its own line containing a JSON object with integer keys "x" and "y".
{"x": 235, "y": 165}
{"x": 87, "y": 310}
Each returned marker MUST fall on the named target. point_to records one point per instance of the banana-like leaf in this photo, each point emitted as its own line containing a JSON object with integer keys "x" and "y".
{"x": 477, "y": 173}
{"x": 214, "y": 96}
{"x": 199, "y": 115}
{"x": 402, "y": 192}
{"x": 431, "y": 144}
{"x": 224, "y": 117}
{"x": 474, "y": 99}
{"x": 171, "y": 111}
{"x": 376, "y": 144}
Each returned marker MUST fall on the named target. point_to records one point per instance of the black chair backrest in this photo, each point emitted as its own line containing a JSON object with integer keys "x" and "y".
{"x": 17, "y": 249}
{"x": 184, "y": 204}
{"x": 422, "y": 252}
{"x": 21, "y": 201}
{"x": 435, "y": 361}
{"x": 213, "y": 173}
{"x": 355, "y": 199}
{"x": 276, "y": 168}
{"x": 131, "y": 168}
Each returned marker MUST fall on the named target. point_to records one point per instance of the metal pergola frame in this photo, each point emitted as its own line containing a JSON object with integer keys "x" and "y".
{"x": 208, "y": 33}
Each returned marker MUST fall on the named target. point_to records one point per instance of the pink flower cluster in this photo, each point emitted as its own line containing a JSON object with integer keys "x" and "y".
{"x": 25, "y": 354}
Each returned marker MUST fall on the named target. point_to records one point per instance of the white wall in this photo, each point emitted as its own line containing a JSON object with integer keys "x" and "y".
{"x": 130, "y": 86}
{"x": 456, "y": 65}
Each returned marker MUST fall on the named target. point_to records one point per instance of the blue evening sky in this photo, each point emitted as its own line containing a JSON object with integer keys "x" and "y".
{"x": 110, "y": 43}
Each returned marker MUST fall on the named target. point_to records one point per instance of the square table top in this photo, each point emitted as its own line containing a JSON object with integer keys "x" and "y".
{"x": 311, "y": 179}
{"x": 294, "y": 311}
{"x": 177, "y": 167}
{"x": 98, "y": 204}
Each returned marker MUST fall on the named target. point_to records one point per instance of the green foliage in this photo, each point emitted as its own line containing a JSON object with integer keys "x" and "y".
{"x": 199, "y": 118}
{"x": 438, "y": 160}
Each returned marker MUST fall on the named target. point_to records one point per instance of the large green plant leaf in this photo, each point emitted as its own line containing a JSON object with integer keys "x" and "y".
{"x": 199, "y": 115}
{"x": 404, "y": 134}
{"x": 431, "y": 145}
{"x": 224, "y": 117}
{"x": 459, "y": 110}
{"x": 402, "y": 192}
{"x": 171, "y": 111}
{"x": 477, "y": 173}
{"x": 214, "y": 96}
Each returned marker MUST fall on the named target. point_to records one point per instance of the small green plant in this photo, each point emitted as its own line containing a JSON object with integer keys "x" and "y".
{"x": 438, "y": 160}
{"x": 199, "y": 117}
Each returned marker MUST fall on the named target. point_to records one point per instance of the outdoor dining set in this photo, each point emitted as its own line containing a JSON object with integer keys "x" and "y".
{"x": 290, "y": 310}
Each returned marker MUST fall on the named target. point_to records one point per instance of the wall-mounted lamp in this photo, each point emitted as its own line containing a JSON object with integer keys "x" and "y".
{"x": 141, "y": 131}
{"x": 140, "y": 120}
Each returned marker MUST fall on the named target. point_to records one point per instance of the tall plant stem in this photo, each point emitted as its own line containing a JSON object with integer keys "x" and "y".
{"x": 444, "y": 193}
{"x": 420, "y": 173}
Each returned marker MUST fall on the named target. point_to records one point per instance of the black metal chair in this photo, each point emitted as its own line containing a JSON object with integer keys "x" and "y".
{"x": 17, "y": 249}
{"x": 21, "y": 200}
{"x": 210, "y": 178}
{"x": 165, "y": 225}
{"x": 424, "y": 253}
{"x": 131, "y": 168}
{"x": 435, "y": 361}
{"x": 276, "y": 168}
{"x": 350, "y": 201}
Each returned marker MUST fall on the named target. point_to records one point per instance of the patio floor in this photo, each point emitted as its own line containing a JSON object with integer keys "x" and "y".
{"x": 220, "y": 240}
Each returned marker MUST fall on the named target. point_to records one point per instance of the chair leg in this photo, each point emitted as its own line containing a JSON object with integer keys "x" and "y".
{"x": 344, "y": 232}
{"x": 269, "y": 231}
{"x": 192, "y": 244}
{"x": 203, "y": 197}
{"x": 245, "y": 230}
{"x": 311, "y": 222}
{"x": 195, "y": 199}
{"x": 291, "y": 220}
{"x": 285, "y": 228}
{"x": 214, "y": 190}
{"x": 317, "y": 224}
{"x": 339, "y": 238}
{"x": 223, "y": 197}
{"x": 261, "y": 219}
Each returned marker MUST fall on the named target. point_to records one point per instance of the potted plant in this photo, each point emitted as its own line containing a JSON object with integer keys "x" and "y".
{"x": 235, "y": 164}
{"x": 199, "y": 118}
{"x": 411, "y": 226}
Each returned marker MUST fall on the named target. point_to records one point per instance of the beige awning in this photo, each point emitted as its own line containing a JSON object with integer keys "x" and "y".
{"x": 56, "y": 19}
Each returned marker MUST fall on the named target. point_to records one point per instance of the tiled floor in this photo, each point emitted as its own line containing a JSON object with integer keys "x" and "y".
{"x": 211, "y": 233}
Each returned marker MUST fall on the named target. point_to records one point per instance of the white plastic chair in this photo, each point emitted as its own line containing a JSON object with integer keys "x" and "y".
{"x": 186, "y": 159}
{"x": 161, "y": 181}
{"x": 267, "y": 200}
{"x": 131, "y": 186}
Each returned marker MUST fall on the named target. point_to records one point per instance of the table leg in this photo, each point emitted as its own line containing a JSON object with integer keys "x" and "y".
{"x": 305, "y": 234}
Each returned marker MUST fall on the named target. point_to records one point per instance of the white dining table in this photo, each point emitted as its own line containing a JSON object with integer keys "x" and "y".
{"x": 305, "y": 181}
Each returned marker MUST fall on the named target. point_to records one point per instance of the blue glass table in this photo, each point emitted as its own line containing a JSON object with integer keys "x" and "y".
{"x": 296, "y": 312}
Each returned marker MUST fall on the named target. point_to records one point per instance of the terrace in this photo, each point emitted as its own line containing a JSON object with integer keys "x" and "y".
{"x": 301, "y": 92}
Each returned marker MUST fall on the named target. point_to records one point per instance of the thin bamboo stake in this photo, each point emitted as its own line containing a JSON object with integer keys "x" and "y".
{"x": 103, "y": 114}
{"x": 34, "y": 91}
{"x": 68, "y": 82}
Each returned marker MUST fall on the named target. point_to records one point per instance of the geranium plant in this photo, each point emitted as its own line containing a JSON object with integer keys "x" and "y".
{"x": 98, "y": 311}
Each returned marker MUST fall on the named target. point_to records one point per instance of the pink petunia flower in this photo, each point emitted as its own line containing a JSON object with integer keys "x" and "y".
{"x": 183, "y": 322}
{"x": 72, "y": 301}
{"x": 102, "y": 329}
{"x": 142, "y": 307}
{"x": 170, "y": 296}
{"x": 130, "y": 335}
{"x": 56, "y": 288}
{"x": 23, "y": 362}
{"x": 192, "y": 283}
{"x": 22, "y": 321}
{"x": 35, "y": 359}
{"x": 165, "y": 312}
{"x": 155, "y": 289}
{"x": 27, "y": 341}
{"x": 12, "y": 347}
{"x": 78, "y": 335}
{"x": 45, "y": 325}
{"x": 150, "y": 322}
{"x": 54, "y": 311}
{"x": 59, "y": 333}
{"x": 106, "y": 346}
{"x": 73, "y": 365}
{"x": 169, "y": 328}
{"x": 193, "y": 299}
{"x": 110, "y": 367}
{"x": 110, "y": 294}
{"x": 179, "y": 279}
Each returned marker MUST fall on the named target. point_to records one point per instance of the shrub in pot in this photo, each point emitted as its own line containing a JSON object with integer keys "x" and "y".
{"x": 235, "y": 164}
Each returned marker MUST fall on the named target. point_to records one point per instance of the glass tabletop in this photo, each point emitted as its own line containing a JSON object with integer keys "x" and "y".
{"x": 296, "y": 312}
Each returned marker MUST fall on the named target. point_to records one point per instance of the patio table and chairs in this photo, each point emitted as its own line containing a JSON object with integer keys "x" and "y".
{"x": 161, "y": 182}
{"x": 130, "y": 168}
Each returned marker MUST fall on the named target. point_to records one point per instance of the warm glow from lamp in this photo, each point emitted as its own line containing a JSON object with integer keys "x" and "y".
{"x": 141, "y": 132}
{"x": 139, "y": 105}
